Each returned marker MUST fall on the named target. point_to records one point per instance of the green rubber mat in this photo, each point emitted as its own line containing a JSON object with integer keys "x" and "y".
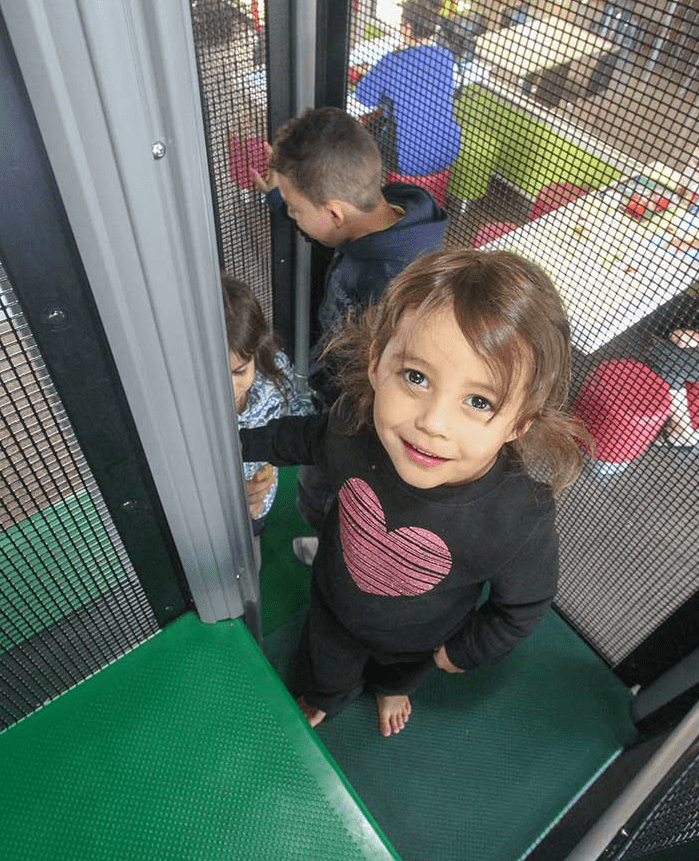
{"x": 488, "y": 761}
{"x": 53, "y": 563}
{"x": 187, "y": 748}
{"x": 284, "y": 581}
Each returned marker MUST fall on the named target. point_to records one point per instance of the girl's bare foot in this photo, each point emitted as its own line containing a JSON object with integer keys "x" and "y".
{"x": 394, "y": 712}
{"x": 313, "y": 715}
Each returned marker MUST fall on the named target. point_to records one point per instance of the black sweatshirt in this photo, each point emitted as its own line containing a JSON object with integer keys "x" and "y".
{"x": 404, "y": 568}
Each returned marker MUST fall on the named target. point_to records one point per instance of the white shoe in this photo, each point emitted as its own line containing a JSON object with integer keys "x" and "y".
{"x": 679, "y": 430}
{"x": 305, "y": 548}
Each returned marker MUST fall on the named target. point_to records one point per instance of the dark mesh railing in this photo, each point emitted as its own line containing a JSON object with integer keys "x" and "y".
{"x": 70, "y": 602}
{"x": 576, "y": 145}
{"x": 669, "y": 827}
{"x": 579, "y": 150}
{"x": 229, "y": 44}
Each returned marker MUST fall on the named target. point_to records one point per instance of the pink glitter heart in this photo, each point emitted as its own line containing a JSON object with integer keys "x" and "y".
{"x": 407, "y": 561}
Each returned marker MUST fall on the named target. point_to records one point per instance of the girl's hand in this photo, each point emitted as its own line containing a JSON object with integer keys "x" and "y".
{"x": 265, "y": 183}
{"x": 441, "y": 659}
{"x": 683, "y": 244}
{"x": 685, "y": 337}
{"x": 257, "y": 488}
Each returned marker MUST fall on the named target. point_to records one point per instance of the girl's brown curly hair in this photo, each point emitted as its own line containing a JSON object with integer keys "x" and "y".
{"x": 511, "y": 315}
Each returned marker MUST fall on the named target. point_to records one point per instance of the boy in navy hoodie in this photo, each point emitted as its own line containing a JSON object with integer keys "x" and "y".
{"x": 326, "y": 168}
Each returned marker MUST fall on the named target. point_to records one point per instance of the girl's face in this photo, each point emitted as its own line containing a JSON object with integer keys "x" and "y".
{"x": 433, "y": 403}
{"x": 243, "y": 373}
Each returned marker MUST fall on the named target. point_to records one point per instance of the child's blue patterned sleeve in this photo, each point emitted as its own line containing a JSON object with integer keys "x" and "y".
{"x": 296, "y": 403}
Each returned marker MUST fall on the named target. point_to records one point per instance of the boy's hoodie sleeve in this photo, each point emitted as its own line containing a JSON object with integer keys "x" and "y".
{"x": 286, "y": 441}
{"x": 275, "y": 201}
{"x": 519, "y": 595}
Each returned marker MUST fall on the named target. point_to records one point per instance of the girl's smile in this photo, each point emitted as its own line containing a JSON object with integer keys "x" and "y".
{"x": 425, "y": 458}
{"x": 435, "y": 403}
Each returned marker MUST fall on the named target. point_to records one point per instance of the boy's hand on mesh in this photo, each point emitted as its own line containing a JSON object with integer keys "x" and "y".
{"x": 257, "y": 488}
{"x": 441, "y": 659}
{"x": 265, "y": 183}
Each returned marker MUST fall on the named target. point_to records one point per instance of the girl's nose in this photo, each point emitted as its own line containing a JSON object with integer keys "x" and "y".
{"x": 433, "y": 417}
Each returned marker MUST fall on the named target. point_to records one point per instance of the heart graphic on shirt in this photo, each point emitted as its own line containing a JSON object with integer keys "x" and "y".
{"x": 406, "y": 561}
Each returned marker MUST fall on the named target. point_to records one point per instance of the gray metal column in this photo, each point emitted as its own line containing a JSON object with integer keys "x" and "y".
{"x": 305, "y": 13}
{"x": 115, "y": 91}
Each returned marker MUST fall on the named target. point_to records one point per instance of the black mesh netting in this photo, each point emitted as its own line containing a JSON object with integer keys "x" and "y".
{"x": 671, "y": 823}
{"x": 70, "y": 602}
{"x": 567, "y": 132}
{"x": 229, "y": 44}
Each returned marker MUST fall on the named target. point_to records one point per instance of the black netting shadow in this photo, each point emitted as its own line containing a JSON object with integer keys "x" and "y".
{"x": 70, "y": 601}
{"x": 579, "y": 149}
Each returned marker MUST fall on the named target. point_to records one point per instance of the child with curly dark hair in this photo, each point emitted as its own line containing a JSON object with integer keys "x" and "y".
{"x": 263, "y": 383}
{"x": 454, "y": 388}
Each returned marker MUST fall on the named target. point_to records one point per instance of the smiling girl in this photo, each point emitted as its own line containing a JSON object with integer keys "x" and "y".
{"x": 454, "y": 387}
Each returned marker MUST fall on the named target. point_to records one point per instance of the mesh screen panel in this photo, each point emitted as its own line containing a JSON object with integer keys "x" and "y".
{"x": 229, "y": 44}
{"x": 566, "y": 132}
{"x": 578, "y": 149}
{"x": 70, "y": 602}
{"x": 673, "y": 822}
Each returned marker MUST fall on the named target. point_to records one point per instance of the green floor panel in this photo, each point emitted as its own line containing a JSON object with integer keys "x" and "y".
{"x": 488, "y": 761}
{"x": 284, "y": 581}
{"x": 187, "y": 748}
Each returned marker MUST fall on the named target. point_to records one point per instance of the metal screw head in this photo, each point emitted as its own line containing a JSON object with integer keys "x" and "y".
{"x": 158, "y": 150}
{"x": 56, "y": 318}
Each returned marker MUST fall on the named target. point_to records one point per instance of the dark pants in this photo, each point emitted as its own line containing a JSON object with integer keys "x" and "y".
{"x": 258, "y": 525}
{"x": 332, "y": 667}
{"x": 676, "y": 365}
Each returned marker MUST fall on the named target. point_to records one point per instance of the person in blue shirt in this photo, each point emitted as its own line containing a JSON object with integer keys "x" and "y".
{"x": 418, "y": 84}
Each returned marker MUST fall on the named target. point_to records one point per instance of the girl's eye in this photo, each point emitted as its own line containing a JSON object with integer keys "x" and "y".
{"x": 479, "y": 403}
{"x": 415, "y": 378}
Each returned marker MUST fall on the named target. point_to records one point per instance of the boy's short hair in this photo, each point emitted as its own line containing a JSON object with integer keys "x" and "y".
{"x": 327, "y": 154}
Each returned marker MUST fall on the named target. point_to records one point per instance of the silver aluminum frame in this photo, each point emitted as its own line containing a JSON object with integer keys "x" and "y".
{"x": 115, "y": 92}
